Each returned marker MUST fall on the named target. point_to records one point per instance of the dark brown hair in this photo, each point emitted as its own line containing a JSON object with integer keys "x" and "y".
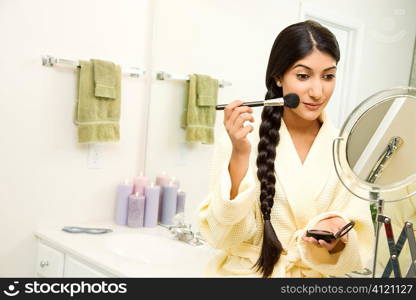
{"x": 292, "y": 44}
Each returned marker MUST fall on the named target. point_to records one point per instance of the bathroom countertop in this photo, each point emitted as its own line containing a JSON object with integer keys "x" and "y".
{"x": 131, "y": 252}
{"x": 136, "y": 252}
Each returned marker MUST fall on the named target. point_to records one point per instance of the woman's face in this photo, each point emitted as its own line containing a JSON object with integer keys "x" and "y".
{"x": 313, "y": 79}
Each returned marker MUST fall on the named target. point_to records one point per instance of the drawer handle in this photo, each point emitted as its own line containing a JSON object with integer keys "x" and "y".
{"x": 44, "y": 263}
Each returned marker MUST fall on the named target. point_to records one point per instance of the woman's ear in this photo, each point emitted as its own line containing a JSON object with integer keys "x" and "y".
{"x": 278, "y": 82}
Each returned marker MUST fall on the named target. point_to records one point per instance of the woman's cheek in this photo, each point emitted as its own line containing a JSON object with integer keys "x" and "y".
{"x": 330, "y": 87}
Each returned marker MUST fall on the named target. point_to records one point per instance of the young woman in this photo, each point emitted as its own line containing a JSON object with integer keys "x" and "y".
{"x": 261, "y": 203}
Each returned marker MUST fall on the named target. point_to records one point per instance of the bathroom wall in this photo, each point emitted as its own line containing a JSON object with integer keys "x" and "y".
{"x": 233, "y": 42}
{"x": 44, "y": 172}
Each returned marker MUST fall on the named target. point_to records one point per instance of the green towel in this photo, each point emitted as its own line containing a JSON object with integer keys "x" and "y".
{"x": 104, "y": 78}
{"x": 207, "y": 90}
{"x": 198, "y": 117}
{"x": 97, "y": 118}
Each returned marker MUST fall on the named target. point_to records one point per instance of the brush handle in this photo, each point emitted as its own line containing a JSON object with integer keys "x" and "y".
{"x": 251, "y": 104}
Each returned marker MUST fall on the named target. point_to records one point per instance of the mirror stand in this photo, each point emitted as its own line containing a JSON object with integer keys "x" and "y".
{"x": 374, "y": 196}
{"x": 380, "y": 220}
{"x": 395, "y": 249}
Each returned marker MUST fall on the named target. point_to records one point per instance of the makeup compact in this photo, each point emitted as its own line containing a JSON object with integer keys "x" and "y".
{"x": 329, "y": 236}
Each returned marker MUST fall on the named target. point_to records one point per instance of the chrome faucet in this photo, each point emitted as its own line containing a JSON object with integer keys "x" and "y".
{"x": 183, "y": 232}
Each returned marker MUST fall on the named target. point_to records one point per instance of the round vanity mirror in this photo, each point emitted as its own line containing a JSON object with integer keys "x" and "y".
{"x": 375, "y": 151}
{"x": 374, "y": 159}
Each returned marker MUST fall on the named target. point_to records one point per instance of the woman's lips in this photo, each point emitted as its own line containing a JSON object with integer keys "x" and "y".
{"x": 312, "y": 106}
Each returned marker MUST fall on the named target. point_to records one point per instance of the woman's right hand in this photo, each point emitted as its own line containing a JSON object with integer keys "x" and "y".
{"x": 234, "y": 118}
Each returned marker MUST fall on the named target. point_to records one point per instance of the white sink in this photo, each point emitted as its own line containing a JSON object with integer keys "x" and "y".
{"x": 132, "y": 252}
{"x": 159, "y": 251}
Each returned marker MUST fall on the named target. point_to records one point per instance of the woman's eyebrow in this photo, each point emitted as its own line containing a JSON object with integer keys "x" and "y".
{"x": 306, "y": 67}
{"x": 330, "y": 68}
{"x": 303, "y": 66}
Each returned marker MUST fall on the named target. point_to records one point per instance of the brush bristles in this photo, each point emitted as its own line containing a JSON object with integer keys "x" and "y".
{"x": 291, "y": 100}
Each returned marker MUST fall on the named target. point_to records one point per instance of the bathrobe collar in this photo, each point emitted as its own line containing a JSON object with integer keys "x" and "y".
{"x": 303, "y": 183}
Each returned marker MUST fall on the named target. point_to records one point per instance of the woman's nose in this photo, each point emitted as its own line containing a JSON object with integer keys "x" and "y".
{"x": 316, "y": 90}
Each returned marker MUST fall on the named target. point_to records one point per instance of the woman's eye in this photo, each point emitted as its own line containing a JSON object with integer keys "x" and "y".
{"x": 329, "y": 76}
{"x": 302, "y": 76}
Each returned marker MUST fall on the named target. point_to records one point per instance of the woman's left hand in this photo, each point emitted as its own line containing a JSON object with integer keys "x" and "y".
{"x": 333, "y": 225}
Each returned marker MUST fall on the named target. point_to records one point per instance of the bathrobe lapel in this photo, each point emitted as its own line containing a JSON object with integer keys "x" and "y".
{"x": 302, "y": 183}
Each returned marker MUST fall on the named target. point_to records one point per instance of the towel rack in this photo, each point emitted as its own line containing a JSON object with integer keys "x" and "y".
{"x": 167, "y": 76}
{"x": 50, "y": 61}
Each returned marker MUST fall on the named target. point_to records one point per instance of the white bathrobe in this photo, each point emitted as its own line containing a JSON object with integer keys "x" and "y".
{"x": 305, "y": 194}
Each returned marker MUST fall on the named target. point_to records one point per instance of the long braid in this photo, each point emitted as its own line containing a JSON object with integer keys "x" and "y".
{"x": 269, "y": 138}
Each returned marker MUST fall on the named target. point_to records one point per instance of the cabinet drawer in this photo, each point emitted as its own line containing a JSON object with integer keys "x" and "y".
{"x": 75, "y": 268}
{"x": 49, "y": 262}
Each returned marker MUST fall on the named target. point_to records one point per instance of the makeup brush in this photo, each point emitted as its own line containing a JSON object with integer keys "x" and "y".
{"x": 289, "y": 100}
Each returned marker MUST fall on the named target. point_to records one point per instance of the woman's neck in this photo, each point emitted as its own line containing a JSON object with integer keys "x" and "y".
{"x": 295, "y": 124}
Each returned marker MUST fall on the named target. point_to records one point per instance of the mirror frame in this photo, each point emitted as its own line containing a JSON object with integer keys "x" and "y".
{"x": 357, "y": 186}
